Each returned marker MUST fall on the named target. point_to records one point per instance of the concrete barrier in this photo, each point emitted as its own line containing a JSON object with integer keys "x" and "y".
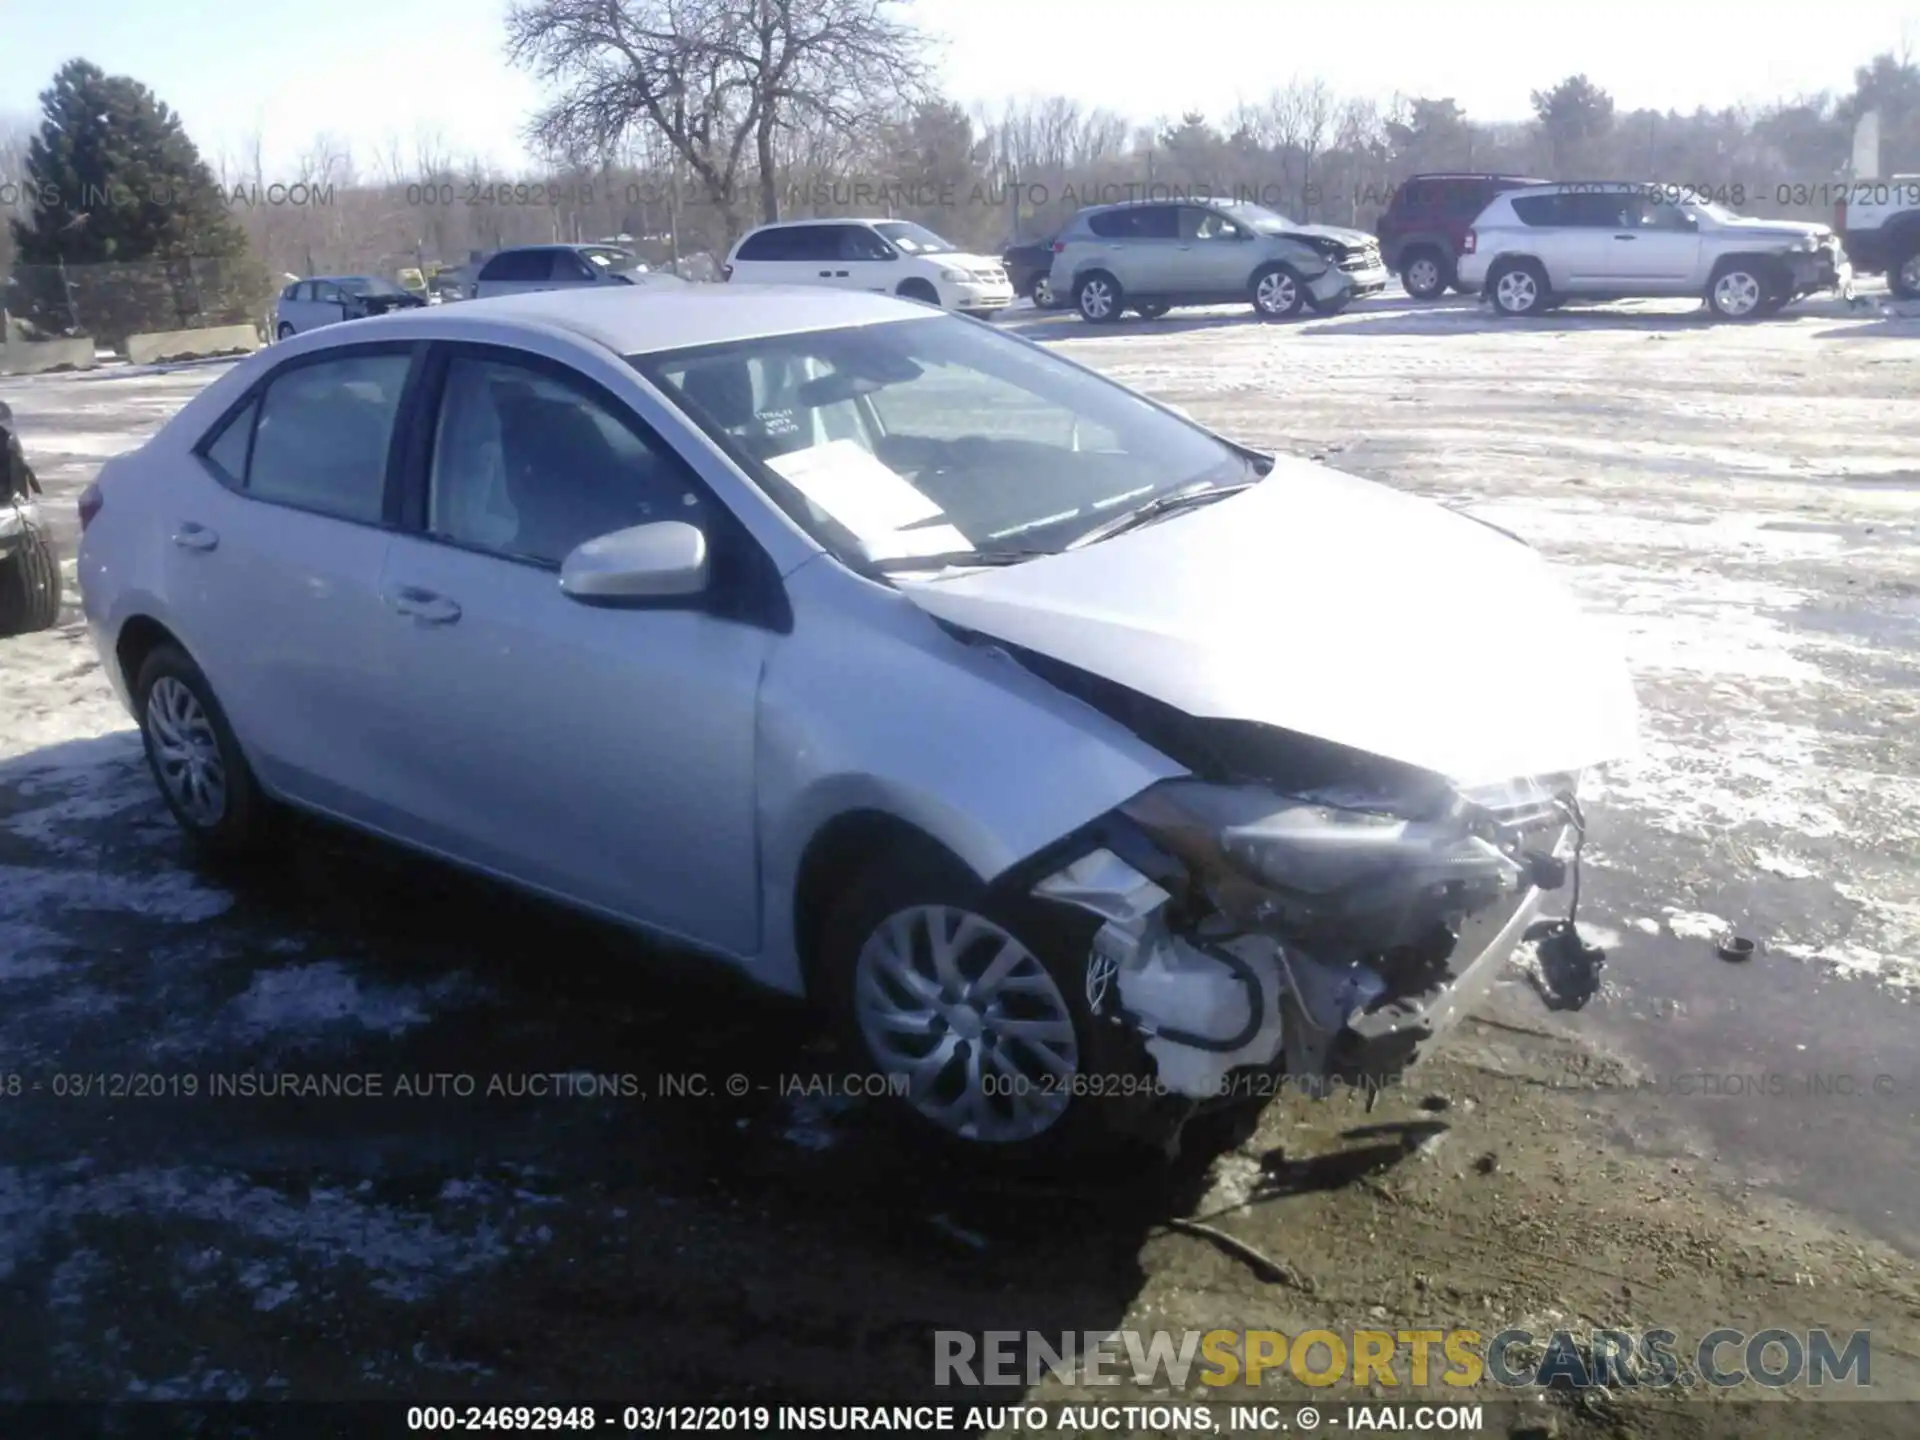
{"x": 192, "y": 344}
{"x": 36, "y": 357}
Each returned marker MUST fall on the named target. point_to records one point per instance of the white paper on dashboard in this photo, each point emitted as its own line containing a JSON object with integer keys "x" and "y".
{"x": 854, "y": 487}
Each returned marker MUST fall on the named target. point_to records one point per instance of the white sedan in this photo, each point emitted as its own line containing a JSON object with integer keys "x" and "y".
{"x": 1040, "y": 733}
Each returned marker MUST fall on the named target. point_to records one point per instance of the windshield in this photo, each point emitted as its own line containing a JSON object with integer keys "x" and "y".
{"x": 611, "y": 259}
{"x": 368, "y": 285}
{"x": 1258, "y": 217}
{"x": 913, "y": 239}
{"x": 936, "y": 436}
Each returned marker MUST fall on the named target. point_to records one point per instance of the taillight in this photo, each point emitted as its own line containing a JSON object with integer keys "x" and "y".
{"x": 1059, "y": 246}
{"x": 726, "y": 271}
{"x": 90, "y": 502}
{"x": 1840, "y": 215}
{"x": 1469, "y": 243}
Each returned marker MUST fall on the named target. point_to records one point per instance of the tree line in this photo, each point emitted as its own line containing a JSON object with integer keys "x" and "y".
{"x": 682, "y": 123}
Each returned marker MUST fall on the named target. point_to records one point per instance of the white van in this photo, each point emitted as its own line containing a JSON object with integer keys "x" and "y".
{"x": 888, "y": 257}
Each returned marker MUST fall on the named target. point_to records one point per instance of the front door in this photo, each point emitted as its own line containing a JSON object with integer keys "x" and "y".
{"x": 1213, "y": 255}
{"x": 1658, "y": 249}
{"x": 606, "y": 755}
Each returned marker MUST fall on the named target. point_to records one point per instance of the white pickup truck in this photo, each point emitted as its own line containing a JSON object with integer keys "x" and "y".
{"x": 1879, "y": 223}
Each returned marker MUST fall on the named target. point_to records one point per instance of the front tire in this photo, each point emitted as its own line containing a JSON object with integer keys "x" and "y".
{"x": 1518, "y": 288}
{"x": 30, "y": 584}
{"x": 1278, "y": 293}
{"x": 1739, "y": 292}
{"x": 975, "y": 1001}
{"x": 1426, "y": 274}
{"x": 285, "y": 332}
{"x": 919, "y": 290}
{"x": 1099, "y": 298}
{"x": 1153, "y": 310}
{"x": 202, "y": 773}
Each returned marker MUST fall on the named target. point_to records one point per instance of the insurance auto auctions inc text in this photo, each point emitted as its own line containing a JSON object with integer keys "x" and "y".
{"x": 1453, "y": 1359}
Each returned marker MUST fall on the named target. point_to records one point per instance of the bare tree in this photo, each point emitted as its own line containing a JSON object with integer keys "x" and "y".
{"x": 719, "y": 79}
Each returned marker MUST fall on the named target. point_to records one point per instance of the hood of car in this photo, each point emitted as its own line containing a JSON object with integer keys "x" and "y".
{"x": 1333, "y": 607}
{"x": 981, "y": 265}
{"x": 1747, "y": 225}
{"x": 1352, "y": 239}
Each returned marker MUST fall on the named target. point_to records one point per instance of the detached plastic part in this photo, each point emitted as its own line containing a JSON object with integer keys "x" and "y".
{"x": 1736, "y": 948}
{"x": 1569, "y": 967}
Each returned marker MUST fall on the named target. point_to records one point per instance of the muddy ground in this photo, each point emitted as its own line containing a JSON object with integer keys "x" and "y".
{"x": 1744, "y": 500}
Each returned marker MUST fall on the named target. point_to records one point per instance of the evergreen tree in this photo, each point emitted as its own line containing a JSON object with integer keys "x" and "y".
{"x": 127, "y": 229}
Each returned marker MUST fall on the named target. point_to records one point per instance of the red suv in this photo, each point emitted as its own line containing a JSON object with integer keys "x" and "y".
{"x": 1427, "y": 221}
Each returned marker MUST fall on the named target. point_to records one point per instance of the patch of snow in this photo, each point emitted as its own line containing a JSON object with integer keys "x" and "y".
{"x": 1695, "y": 924}
{"x": 305, "y": 997}
{"x": 1784, "y": 866}
{"x": 1646, "y": 926}
{"x": 172, "y": 897}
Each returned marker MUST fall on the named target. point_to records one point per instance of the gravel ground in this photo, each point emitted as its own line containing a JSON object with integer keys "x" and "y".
{"x": 1707, "y": 1145}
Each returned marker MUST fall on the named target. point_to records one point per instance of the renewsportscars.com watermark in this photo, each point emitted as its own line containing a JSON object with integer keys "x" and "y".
{"x": 1456, "y": 1359}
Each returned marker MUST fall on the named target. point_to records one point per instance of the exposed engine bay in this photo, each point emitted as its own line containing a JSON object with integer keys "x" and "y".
{"x": 1296, "y": 908}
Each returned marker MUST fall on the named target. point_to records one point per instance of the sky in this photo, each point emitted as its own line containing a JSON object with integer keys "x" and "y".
{"x": 376, "y": 73}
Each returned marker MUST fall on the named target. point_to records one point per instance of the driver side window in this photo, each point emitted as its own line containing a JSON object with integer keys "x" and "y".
{"x": 529, "y": 466}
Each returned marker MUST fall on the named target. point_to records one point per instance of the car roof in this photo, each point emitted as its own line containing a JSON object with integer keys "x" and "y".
{"x": 1554, "y": 187}
{"x": 1473, "y": 175}
{"x": 641, "y": 321}
{"x": 831, "y": 220}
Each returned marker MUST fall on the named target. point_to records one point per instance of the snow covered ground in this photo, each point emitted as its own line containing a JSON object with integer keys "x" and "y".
{"x": 1743, "y": 501}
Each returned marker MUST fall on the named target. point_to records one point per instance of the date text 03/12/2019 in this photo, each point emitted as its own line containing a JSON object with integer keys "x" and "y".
{"x": 1201, "y": 1419}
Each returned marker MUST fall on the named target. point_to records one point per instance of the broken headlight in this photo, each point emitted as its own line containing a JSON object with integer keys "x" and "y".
{"x": 1320, "y": 856}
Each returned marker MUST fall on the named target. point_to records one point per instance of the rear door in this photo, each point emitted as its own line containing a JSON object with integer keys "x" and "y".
{"x": 1145, "y": 260}
{"x": 273, "y": 569}
{"x": 1568, "y": 232}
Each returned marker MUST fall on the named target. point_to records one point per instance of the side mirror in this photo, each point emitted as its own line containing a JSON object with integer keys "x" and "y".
{"x": 659, "y": 561}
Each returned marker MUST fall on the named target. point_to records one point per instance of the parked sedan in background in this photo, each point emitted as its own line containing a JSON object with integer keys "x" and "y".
{"x": 328, "y": 299}
{"x": 1532, "y": 249}
{"x": 891, "y": 659}
{"x": 1149, "y": 256}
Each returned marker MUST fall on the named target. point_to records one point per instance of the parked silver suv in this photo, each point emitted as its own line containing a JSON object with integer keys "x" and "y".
{"x": 1148, "y": 256}
{"x": 1531, "y": 249}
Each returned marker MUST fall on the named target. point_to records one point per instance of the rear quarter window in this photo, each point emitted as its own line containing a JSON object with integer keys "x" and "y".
{"x": 1539, "y": 209}
{"x": 767, "y": 245}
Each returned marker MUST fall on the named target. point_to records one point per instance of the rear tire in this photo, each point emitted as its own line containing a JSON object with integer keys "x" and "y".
{"x": 1903, "y": 273}
{"x": 1099, "y": 298}
{"x": 1041, "y": 293}
{"x": 30, "y": 584}
{"x": 1426, "y": 273}
{"x": 202, "y": 773}
{"x": 1008, "y": 1002}
{"x": 1518, "y": 288}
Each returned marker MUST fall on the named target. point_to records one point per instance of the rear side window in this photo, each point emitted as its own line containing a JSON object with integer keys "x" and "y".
{"x": 791, "y": 242}
{"x": 1112, "y": 224}
{"x": 1413, "y": 195}
{"x": 1467, "y": 198}
{"x": 1541, "y": 209}
{"x": 323, "y": 435}
{"x": 519, "y": 265}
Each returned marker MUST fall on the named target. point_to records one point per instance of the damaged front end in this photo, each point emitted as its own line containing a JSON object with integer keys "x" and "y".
{"x": 1326, "y": 934}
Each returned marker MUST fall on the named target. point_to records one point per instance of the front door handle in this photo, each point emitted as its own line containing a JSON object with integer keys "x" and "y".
{"x": 194, "y": 537}
{"x": 1626, "y": 237}
{"x": 826, "y": 274}
{"x": 423, "y": 605}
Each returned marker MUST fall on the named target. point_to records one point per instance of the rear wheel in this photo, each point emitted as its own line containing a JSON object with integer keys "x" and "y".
{"x": 1518, "y": 287}
{"x": 1426, "y": 273}
{"x": 1903, "y": 276}
{"x": 1041, "y": 293}
{"x": 1099, "y": 298}
{"x": 195, "y": 759}
{"x": 30, "y": 582}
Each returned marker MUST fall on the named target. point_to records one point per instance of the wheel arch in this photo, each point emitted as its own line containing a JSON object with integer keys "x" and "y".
{"x": 139, "y": 636}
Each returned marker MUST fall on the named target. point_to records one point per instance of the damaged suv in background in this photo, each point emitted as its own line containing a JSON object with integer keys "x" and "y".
{"x": 1081, "y": 763}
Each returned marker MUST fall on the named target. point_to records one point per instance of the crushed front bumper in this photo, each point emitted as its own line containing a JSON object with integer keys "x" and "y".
{"x": 1214, "y": 1008}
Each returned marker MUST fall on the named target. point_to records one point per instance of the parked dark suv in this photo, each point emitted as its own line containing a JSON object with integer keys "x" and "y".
{"x": 1028, "y": 267}
{"x": 1426, "y": 222}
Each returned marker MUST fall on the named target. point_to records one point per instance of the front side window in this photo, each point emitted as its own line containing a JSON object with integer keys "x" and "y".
{"x": 323, "y": 435}
{"x": 935, "y": 436}
{"x": 531, "y": 466}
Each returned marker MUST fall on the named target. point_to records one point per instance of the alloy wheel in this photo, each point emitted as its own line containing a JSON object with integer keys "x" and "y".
{"x": 186, "y": 752}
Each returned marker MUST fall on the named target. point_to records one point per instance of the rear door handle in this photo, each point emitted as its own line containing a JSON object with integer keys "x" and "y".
{"x": 194, "y": 537}
{"x": 423, "y": 605}
{"x": 826, "y": 274}
{"x": 1626, "y": 237}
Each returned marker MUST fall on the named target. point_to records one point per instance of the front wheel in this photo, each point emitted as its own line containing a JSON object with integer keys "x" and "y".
{"x": 1153, "y": 310}
{"x": 285, "y": 332}
{"x": 973, "y": 1004}
{"x": 919, "y": 290}
{"x": 1278, "y": 293}
{"x": 1740, "y": 292}
{"x": 1903, "y": 276}
{"x": 1099, "y": 299}
{"x": 1517, "y": 288}
{"x": 202, "y": 773}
